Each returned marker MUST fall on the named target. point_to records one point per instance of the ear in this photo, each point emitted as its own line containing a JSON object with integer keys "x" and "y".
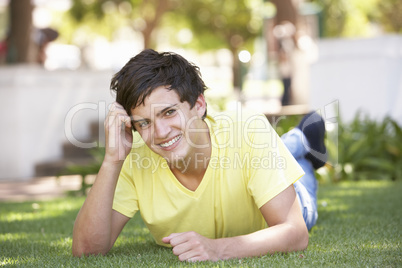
{"x": 201, "y": 105}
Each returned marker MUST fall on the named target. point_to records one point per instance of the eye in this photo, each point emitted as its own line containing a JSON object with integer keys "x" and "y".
{"x": 170, "y": 112}
{"x": 143, "y": 124}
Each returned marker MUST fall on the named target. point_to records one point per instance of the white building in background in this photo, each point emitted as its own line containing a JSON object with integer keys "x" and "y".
{"x": 40, "y": 110}
{"x": 361, "y": 74}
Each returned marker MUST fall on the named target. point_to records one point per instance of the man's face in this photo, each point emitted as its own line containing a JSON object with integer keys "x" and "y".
{"x": 169, "y": 127}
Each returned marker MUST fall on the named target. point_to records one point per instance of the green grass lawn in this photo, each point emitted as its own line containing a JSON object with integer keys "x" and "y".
{"x": 360, "y": 225}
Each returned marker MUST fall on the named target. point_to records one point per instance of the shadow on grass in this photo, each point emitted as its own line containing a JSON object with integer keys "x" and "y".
{"x": 45, "y": 217}
{"x": 359, "y": 225}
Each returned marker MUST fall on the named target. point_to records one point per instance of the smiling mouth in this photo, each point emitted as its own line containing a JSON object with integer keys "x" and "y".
{"x": 171, "y": 142}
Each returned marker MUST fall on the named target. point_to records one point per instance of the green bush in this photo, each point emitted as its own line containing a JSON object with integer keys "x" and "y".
{"x": 366, "y": 150}
{"x": 283, "y": 124}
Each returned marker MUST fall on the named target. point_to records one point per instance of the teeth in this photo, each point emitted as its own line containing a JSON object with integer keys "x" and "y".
{"x": 167, "y": 144}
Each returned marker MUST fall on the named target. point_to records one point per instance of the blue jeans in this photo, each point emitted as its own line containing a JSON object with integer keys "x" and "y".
{"x": 306, "y": 187}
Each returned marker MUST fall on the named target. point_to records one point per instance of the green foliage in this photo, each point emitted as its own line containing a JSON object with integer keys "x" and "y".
{"x": 284, "y": 123}
{"x": 225, "y": 23}
{"x": 88, "y": 19}
{"x": 81, "y": 8}
{"x": 350, "y": 18}
{"x": 216, "y": 24}
{"x": 367, "y": 150}
{"x": 358, "y": 226}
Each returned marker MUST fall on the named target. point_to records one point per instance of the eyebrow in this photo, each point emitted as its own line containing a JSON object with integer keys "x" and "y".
{"x": 158, "y": 114}
{"x": 165, "y": 109}
{"x": 140, "y": 120}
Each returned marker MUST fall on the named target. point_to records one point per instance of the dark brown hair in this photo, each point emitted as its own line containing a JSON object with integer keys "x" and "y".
{"x": 149, "y": 70}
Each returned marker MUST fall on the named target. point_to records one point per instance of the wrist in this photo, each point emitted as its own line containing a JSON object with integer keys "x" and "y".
{"x": 223, "y": 248}
{"x": 110, "y": 164}
{"x": 112, "y": 161}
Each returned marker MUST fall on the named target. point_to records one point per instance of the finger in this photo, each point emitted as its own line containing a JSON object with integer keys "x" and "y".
{"x": 118, "y": 119}
{"x": 184, "y": 251}
{"x": 128, "y": 122}
{"x": 115, "y": 125}
{"x": 116, "y": 108}
{"x": 192, "y": 259}
{"x": 125, "y": 122}
{"x": 189, "y": 254}
{"x": 197, "y": 259}
{"x": 115, "y": 105}
{"x": 169, "y": 237}
{"x": 179, "y": 238}
{"x": 166, "y": 240}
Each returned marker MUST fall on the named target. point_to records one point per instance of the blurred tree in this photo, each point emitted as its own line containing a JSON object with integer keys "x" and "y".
{"x": 152, "y": 12}
{"x": 334, "y": 12}
{"x": 145, "y": 15}
{"x": 351, "y": 18}
{"x": 390, "y": 15}
{"x": 18, "y": 40}
{"x": 224, "y": 24}
{"x": 217, "y": 24}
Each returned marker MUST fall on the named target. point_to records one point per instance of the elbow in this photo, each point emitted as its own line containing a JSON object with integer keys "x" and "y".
{"x": 80, "y": 252}
{"x": 299, "y": 238}
{"x": 303, "y": 238}
{"x": 80, "y": 249}
{"x": 85, "y": 244}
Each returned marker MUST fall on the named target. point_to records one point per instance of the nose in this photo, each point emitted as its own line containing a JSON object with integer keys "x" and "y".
{"x": 161, "y": 129}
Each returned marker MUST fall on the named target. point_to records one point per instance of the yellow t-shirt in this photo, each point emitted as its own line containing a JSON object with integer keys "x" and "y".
{"x": 249, "y": 165}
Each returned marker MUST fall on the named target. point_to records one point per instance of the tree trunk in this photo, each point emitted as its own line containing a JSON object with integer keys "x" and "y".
{"x": 159, "y": 7}
{"x": 236, "y": 70}
{"x": 146, "y": 33}
{"x": 282, "y": 52}
{"x": 285, "y": 11}
{"x": 19, "y": 39}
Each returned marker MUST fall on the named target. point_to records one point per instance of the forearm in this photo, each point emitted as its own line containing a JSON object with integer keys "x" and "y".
{"x": 287, "y": 233}
{"x": 92, "y": 228}
{"x": 279, "y": 238}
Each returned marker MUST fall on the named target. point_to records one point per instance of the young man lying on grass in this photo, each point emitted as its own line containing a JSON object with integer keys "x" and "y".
{"x": 206, "y": 185}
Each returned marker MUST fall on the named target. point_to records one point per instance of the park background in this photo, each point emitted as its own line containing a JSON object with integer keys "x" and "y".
{"x": 344, "y": 59}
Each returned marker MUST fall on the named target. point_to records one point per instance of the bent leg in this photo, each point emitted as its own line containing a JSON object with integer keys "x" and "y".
{"x": 307, "y": 205}
{"x": 306, "y": 186}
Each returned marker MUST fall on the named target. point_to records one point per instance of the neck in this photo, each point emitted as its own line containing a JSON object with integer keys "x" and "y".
{"x": 191, "y": 170}
{"x": 193, "y": 165}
